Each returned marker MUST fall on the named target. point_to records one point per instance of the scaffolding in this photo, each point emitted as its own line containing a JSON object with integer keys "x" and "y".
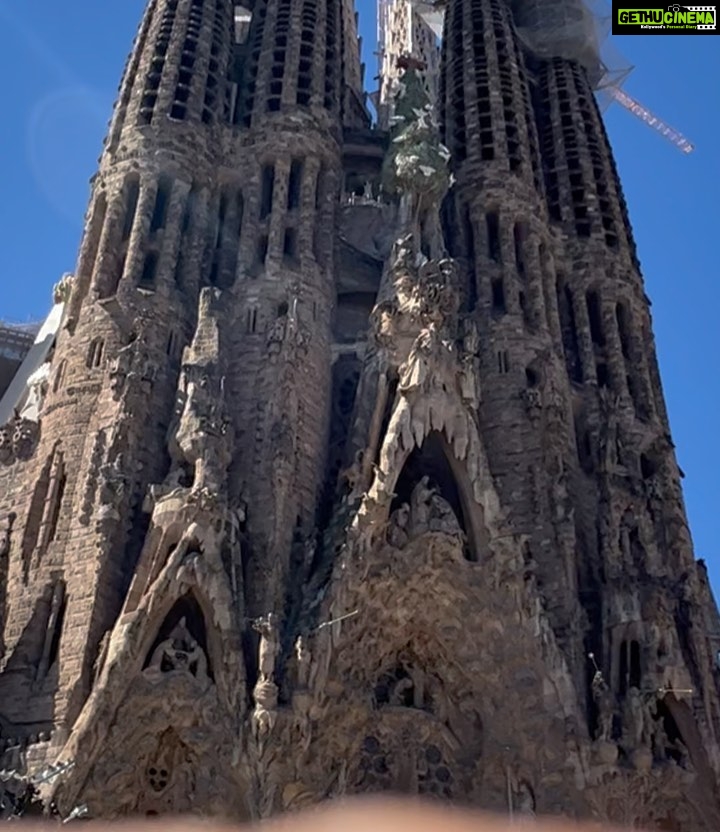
{"x": 571, "y": 30}
{"x": 16, "y": 339}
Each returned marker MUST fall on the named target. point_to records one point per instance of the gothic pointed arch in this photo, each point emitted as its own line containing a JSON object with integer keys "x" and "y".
{"x": 435, "y": 465}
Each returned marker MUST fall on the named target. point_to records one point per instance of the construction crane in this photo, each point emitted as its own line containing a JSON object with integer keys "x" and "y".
{"x": 432, "y": 13}
{"x": 637, "y": 109}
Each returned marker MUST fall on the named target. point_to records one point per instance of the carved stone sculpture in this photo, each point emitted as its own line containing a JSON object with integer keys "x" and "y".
{"x": 397, "y": 535}
{"x": 6, "y": 534}
{"x": 6, "y": 445}
{"x": 37, "y": 387}
{"x": 303, "y": 660}
{"x": 24, "y": 437}
{"x": 523, "y": 799}
{"x": 603, "y": 698}
{"x": 112, "y": 484}
{"x": 180, "y": 652}
{"x": 637, "y": 731}
{"x": 63, "y": 289}
{"x": 269, "y": 646}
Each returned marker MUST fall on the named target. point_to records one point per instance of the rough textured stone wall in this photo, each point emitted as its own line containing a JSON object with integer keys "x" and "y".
{"x": 78, "y": 490}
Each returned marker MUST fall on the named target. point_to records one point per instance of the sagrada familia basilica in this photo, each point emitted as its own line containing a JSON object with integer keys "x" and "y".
{"x": 342, "y": 463}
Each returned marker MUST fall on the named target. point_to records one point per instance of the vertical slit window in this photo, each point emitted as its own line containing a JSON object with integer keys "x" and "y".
{"x": 161, "y": 204}
{"x": 294, "y": 184}
{"x": 266, "y": 194}
{"x": 595, "y": 316}
{"x": 493, "y": 236}
{"x": 149, "y": 272}
{"x": 94, "y": 232}
{"x": 131, "y": 194}
{"x": 95, "y": 353}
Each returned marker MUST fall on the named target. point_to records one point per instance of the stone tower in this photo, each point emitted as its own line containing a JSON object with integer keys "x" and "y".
{"x": 348, "y": 469}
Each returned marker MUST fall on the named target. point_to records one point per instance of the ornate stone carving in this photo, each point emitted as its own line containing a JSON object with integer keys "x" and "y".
{"x": 132, "y": 364}
{"x": 37, "y": 387}
{"x": 24, "y": 437}
{"x": 637, "y": 721}
{"x": 605, "y": 704}
{"x": 286, "y": 336}
{"x": 6, "y": 534}
{"x": 180, "y": 652}
{"x": 269, "y": 646}
{"x": 428, "y": 511}
{"x": 112, "y": 485}
{"x": 63, "y": 289}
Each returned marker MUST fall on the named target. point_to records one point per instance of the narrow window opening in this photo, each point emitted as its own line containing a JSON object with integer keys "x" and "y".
{"x": 59, "y": 376}
{"x": 595, "y": 316}
{"x": 57, "y": 500}
{"x": 498, "y": 296}
{"x": 251, "y": 325}
{"x": 470, "y": 249}
{"x": 294, "y": 184}
{"x": 519, "y": 236}
{"x": 262, "y": 249}
{"x": 602, "y": 374}
{"x": 132, "y": 193}
{"x": 503, "y": 361}
{"x": 290, "y": 243}
{"x": 532, "y": 377}
{"x": 568, "y": 326}
{"x": 630, "y": 666}
{"x": 267, "y": 187}
{"x": 161, "y": 204}
{"x": 147, "y": 278}
{"x": 623, "y": 324}
{"x": 648, "y": 467}
{"x": 493, "y": 235}
{"x": 95, "y": 353}
{"x": 54, "y": 652}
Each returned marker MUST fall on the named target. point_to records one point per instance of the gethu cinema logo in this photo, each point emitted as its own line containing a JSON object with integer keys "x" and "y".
{"x": 674, "y": 16}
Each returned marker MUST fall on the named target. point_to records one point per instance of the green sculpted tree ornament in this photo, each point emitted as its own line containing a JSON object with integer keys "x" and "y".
{"x": 416, "y": 169}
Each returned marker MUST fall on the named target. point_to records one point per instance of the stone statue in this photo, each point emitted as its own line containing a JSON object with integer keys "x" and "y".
{"x": 636, "y": 726}
{"x": 6, "y": 445}
{"x": 201, "y": 437}
{"x": 180, "y": 652}
{"x": 603, "y": 698}
{"x": 397, "y": 535}
{"x": 276, "y": 336}
{"x": 112, "y": 483}
{"x": 352, "y": 475}
{"x": 442, "y": 517}
{"x": 524, "y": 800}
{"x": 37, "y": 387}
{"x": 420, "y": 507}
{"x": 269, "y": 646}
{"x": 303, "y": 659}
{"x": 401, "y": 691}
{"x": 63, "y": 289}
{"x": 6, "y": 534}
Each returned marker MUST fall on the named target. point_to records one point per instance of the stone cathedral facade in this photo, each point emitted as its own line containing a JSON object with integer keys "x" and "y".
{"x": 349, "y": 469}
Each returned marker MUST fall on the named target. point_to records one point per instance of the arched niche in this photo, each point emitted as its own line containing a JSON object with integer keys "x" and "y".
{"x": 186, "y": 614}
{"x": 445, "y": 473}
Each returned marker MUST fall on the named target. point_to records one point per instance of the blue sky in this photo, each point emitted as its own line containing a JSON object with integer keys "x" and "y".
{"x": 61, "y": 63}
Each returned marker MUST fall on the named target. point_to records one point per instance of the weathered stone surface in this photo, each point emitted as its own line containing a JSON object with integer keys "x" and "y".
{"x": 326, "y": 490}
